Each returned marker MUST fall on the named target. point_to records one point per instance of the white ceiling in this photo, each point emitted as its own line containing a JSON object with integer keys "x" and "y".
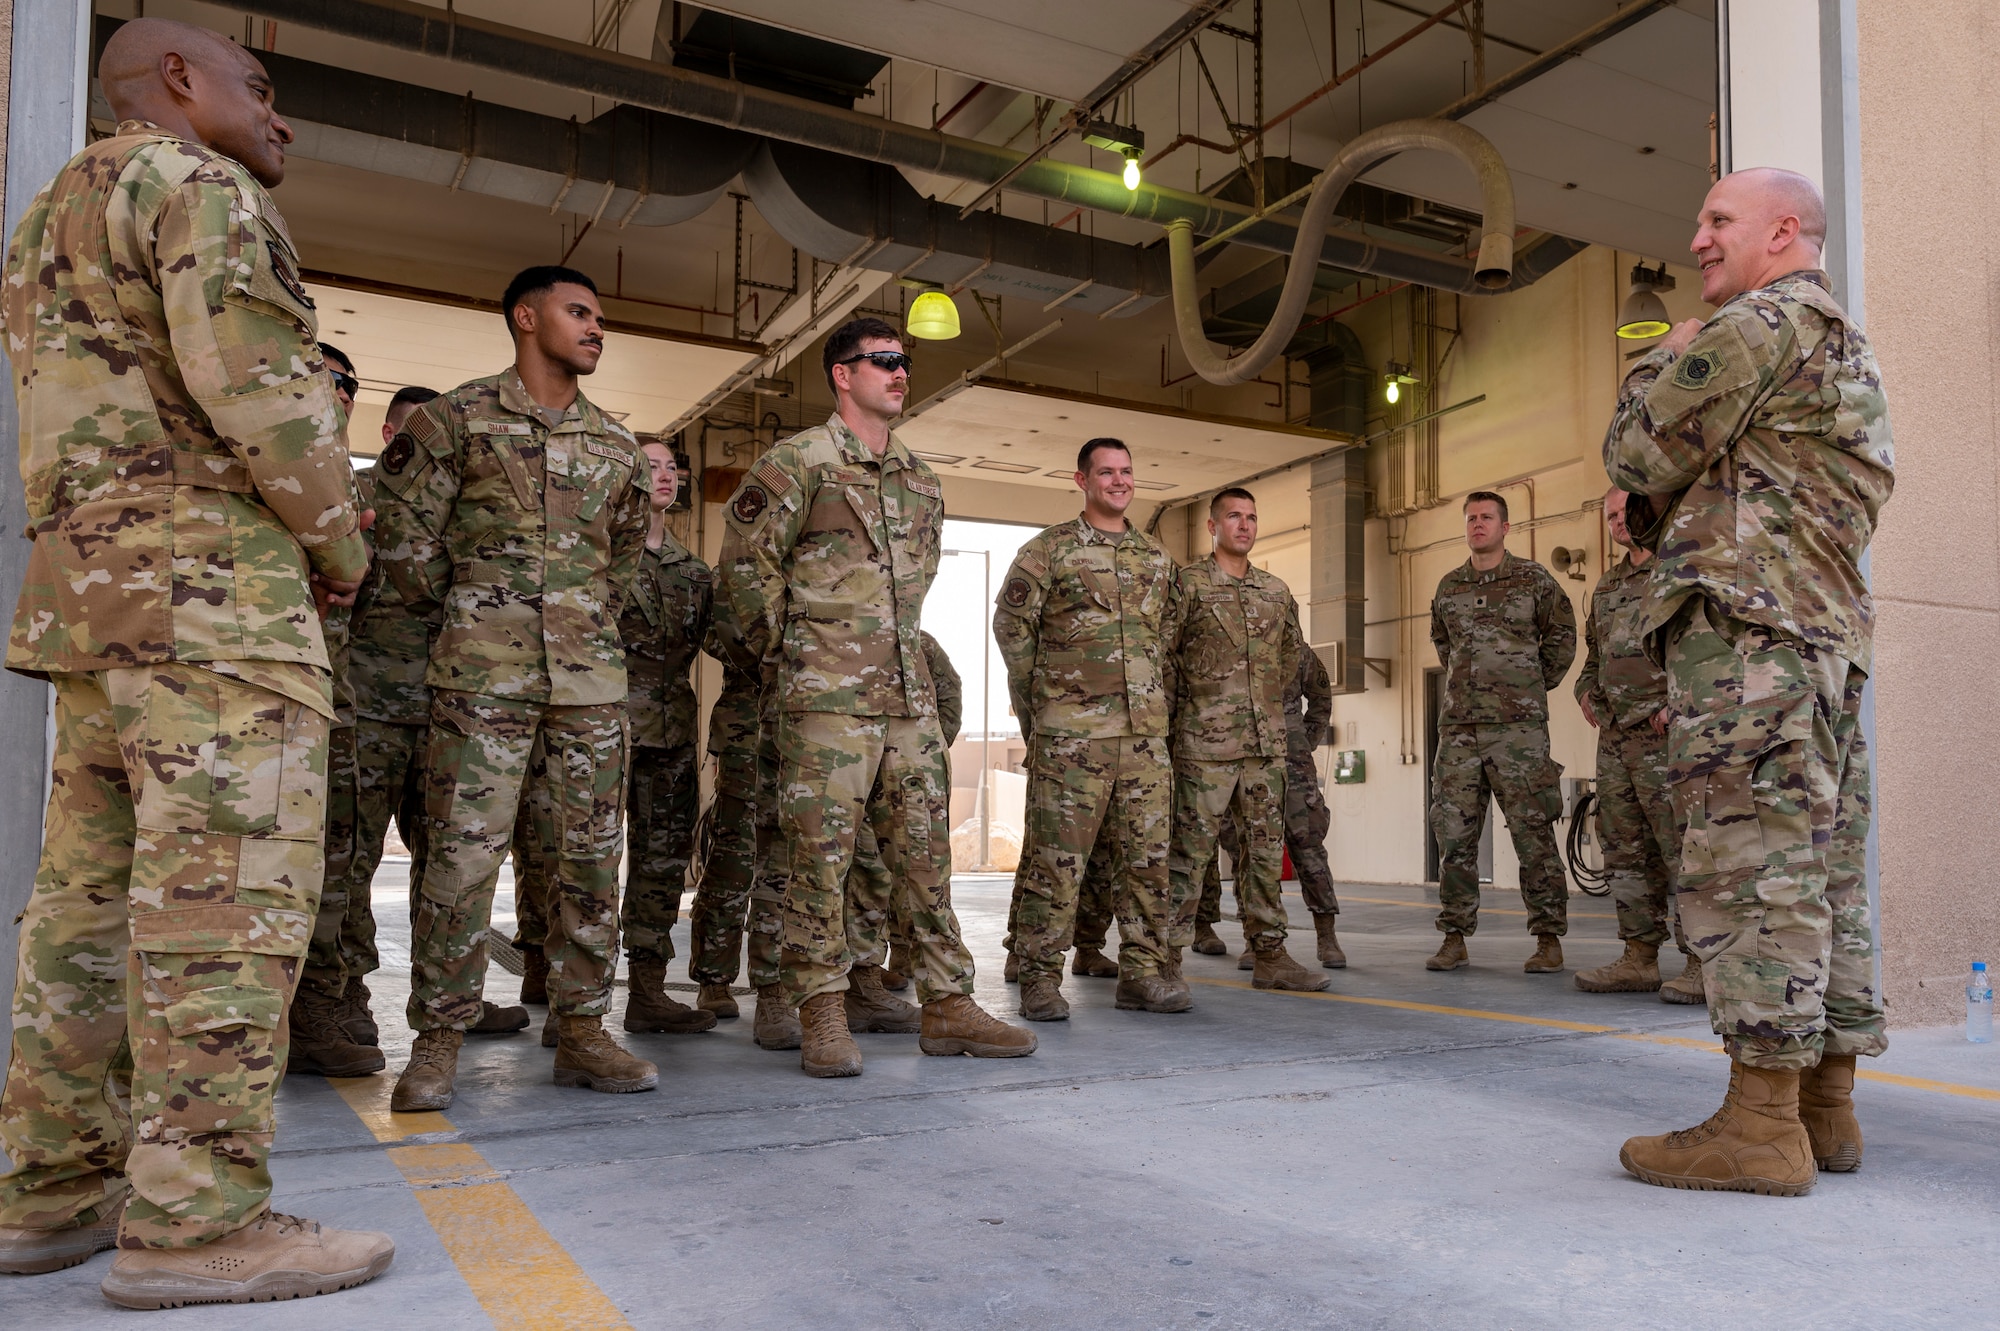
{"x": 1010, "y": 432}
{"x": 644, "y": 381}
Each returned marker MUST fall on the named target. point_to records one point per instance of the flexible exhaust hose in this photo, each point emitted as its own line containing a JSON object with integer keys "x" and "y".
{"x": 1496, "y": 242}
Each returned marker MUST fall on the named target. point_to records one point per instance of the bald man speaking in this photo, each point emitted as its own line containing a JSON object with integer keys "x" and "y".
{"x": 1761, "y": 439}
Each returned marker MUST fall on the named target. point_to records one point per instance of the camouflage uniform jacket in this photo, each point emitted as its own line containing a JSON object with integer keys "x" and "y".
{"x": 339, "y": 622}
{"x": 181, "y": 446}
{"x": 663, "y": 626}
{"x": 388, "y": 648}
{"x": 514, "y": 533}
{"x": 1082, "y": 620}
{"x": 733, "y": 718}
{"x": 1774, "y": 424}
{"x": 1308, "y": 707}
{"x": 1505, "y": 637}
{"x": 950, "y": 689}
{"x": 1622, "y": 685}
{"x": 1237, "y": 655}
{"x": 825, "y": 564}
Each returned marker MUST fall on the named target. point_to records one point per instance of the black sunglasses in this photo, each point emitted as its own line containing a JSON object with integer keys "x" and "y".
{"x": 888, "y": 361}
{"x": 345, "y": 383}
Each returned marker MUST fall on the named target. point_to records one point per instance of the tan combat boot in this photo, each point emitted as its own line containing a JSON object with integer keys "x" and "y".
{"x": 534, "y": 975}
{"x": 1548, "y": 958}
{"x": 355, "y": 1016}
{"x": 1042, "y": 1000}
{"x": 550, "y": 1025}
{"x": 1636, "y": 972}
{"x": 1208, "y": 943}
{"x": 1685, "y": 987}
{"x": 1153, "y": 993}
{"x": 1330, "y": 955}
{"x": 1754, "y": 1143}
{"x": 1451, "y": 954}
{"x": 1275, "y": 969}
{"x": 1826, "y": 1107}
{"x": 497, "y": 1020}
{"x": 873, "y": 1010}
{"x": 650, "y": 1010}
{"x": 33, "y": 1252}
{"x": 774, "y": 1025}
{"x": 273, "y": 1257}
{"x": 1248, "y": 961}
{"x": 896, "y": 975}
{"x": 1011, "y": 972}
{"x": 716, "y": 998}
{"x": 426, "y": 1083}
{"x": 955, "y": 1024}
{"x": 1091, "y": 962}
{"x": 321, "y": 1045}
{"x": 588, "y": 1057}
{"x": 825, "y": 1047}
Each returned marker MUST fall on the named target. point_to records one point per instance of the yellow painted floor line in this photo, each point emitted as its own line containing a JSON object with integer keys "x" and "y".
{"x": 1483, "y": 910}
{"x": 523, "y": 1278}
{"x": 1590, "y": 1028}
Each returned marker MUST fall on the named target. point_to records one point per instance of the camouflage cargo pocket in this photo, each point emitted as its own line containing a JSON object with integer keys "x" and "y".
{"x": 1740, "y": 785}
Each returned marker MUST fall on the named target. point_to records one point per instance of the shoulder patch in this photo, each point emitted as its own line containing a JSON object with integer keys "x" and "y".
{"x": 423, "y": 427}
{"x": 397, "y": 455}
{"x": 288, "y": 274}
{"x": 1032, "y": 562}
{"x": 773, "y": 479}
{"x": 925, "y": 487}
{"x": 1017, "y": 592}
{"x": 750, "y": 503}
{"x": 1699, "y": 369}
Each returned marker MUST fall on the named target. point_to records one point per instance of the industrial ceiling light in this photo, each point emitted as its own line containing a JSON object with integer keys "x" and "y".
{"x": 1643, "y": 314}
{"x": 1393, "y": 380}
{"x": 933, "y": 317}
{"x": 1132, "y": 171}
{"x": 1126, "y": 140}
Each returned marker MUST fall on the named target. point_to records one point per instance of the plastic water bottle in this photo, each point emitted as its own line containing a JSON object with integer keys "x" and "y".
{"x": 1979, "y": 1006}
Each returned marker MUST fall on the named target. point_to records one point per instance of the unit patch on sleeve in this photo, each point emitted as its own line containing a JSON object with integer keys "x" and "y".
{"x": 1017, "y": 592}
{"x": 397, "y": 455}
{"x": 281, "y": 263}
{"x": 1699, "y": 369}
{"x": 751, "y": 501}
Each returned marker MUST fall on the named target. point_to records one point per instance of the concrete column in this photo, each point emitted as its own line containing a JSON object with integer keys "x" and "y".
{"x": 1335, "y": 607}
{"x": 45, "y": 114}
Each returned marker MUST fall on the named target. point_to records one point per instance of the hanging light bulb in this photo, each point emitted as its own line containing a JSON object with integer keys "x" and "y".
{"x": 1393, "y": 380}
{"x": 1132, "y": 172}
{"x": 933, "y": 317}
{"x": 1643, "y": 314}
{"x": 1394, "y": 392}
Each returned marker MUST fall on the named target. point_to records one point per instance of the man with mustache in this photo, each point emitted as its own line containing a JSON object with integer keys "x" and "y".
{"x": 514, "y": 515}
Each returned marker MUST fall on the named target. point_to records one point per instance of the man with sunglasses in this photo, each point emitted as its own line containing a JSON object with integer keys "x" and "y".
{"x": 833, "y": 541}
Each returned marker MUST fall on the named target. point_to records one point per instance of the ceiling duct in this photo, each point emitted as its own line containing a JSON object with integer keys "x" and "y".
{"x": 833, "y": 206}
{"x": 448, "y": 35}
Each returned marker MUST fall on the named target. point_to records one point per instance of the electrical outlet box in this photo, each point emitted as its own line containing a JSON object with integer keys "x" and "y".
{"x": 1350, "y": 767}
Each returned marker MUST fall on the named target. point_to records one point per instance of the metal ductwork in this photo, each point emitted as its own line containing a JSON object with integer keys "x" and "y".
{"x": 634, "y": 82}
{"x": 833, "y": 206}
{"x": 627, "y": 166}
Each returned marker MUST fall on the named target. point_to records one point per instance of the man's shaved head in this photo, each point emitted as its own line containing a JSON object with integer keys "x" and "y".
{"x": 1757, "y": 225}
{"x": 197, "y": 84}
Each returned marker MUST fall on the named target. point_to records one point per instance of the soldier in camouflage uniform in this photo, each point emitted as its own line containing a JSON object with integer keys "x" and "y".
{"x": 513, "y": 514}
{"x": 1763, "y": 437}
{"x": 831, "y": 546}
{"x": 1084, "y": 620}
{"x": 1308, "y": 712}
{"x": 189, "y": 494}
{"x": 1505, "y": 633}
{"x": 1624, "y": 695}
{"x": 1236, "y": 654}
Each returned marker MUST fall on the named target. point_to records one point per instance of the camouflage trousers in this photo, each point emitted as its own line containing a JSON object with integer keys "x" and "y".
{"x": 724, "y": 873}
{"x": 1771, "y": 785}
{"x": 369, "y": 769}
{"x": 1083, "y": 792}
{"x": 179, "y": 874}
{"x": 1475, "y": 764}
{"x": 837, "y": 773}
{"x": 481, "y": 755}
{"x": 1250, "y": 792}
{"x": 1638, "y": 831}
{"x": 662, "y": 801}
{"x": 1307, "y": 819}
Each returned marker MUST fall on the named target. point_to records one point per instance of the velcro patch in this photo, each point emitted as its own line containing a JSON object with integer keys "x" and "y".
{"x": 750, "y": 503}
{"x": 772, "y": 477}
{"x": 424, "y": 428}
{"x": 397, "y": 455}
{"x": 925, "y": 487}
{"x": 1017, "y": 592}
{"x": 1699, "y": 369}
{"x": 611, "y": 451}
{"x": 499, "y": 427}
{"x": 288, "y": 274}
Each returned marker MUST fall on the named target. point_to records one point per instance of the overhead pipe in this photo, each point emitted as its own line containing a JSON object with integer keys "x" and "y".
{"x": 1492, "y": 270}
{"x": 525, "y": 54}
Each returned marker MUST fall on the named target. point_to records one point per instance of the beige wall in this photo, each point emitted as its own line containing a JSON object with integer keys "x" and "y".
{"x": 1930, "y": 131}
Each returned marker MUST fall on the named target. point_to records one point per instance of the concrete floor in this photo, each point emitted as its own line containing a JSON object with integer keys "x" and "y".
{"x": 1265, "y": 1161}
